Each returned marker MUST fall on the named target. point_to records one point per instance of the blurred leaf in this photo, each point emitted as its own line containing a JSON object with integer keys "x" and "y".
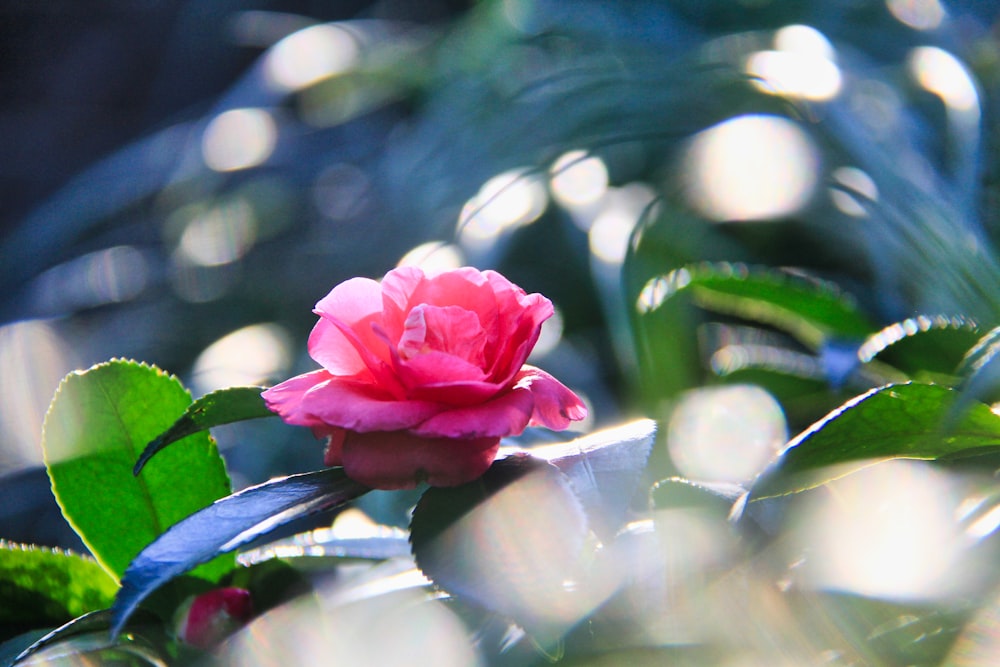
{"x": 980, "y": 372}
{"x": 94, "y": 430}
{"x": 922, "y": 347}
{"x": 487, "y": 542}
{"x": 604, "y": 469}
{"x": 671, "y": 306}
{"x": 677, "y": 492}
{"x": 224, "y": 406}
{"x": 810, "y": 310}
{"x": 896, "y": 421}
{"x": 41, "y": 587}
{"x": 87, "y": 637}
{"x": 226, "y": 525}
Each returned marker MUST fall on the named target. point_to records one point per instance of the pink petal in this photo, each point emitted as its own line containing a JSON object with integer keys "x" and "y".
{"x": 286, "y": 398}
{"x": 354, "y": 304}
{"x": 506, "y": 415}
{"x": 555, "y": 405}
{"x": 365, "y": 343}
{"x": 359, "y": 408}
{"x": 400, "y": 460}
{"x": 522, "y": 323}
{"x": 437, "y": 368}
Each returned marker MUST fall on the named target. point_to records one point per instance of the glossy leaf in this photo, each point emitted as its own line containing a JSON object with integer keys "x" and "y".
{"x": 41, "y": 587}
{"x": 810, "y": 310}
{"x": 96, "y": 426}
{"x": 604, "y": 469}
{"x": 87, "y": 636}
{"x": 224, "y": 406}
{"x": 672, "y": 306}
{"x": 896, "y": 421}
{"x": 227, "y": 525}
{"x": 922, "y": 346}
{"x": 487, "y": 542}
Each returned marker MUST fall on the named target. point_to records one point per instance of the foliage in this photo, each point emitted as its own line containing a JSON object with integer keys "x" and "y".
{"x": 834, "y": 354}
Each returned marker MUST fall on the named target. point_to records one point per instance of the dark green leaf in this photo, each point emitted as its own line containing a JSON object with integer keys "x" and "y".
{"x": 41, "y": 587}
{"x": 810, "y": 310}
{"x": 672, "y": 307}
{"x": 923, "y": 345}
{"x": 96, "y": 426}
{"x": 487, "y": 541}
{"x": 228, "y": 524}
{"x": 224, "y": 406}
{"x": 896, "y": 421}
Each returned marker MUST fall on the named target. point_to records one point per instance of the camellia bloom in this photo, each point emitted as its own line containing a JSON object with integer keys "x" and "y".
{"x": 422, "y": 375}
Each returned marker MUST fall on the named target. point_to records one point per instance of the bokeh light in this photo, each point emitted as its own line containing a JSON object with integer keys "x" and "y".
{"x": 391, "y": 628}
{"x": 112, "y": 275}
{"x": 918, "y": 14}
{"x": 342, "y": 192}
{"x": 503, "y": 203}
{"x": 434, "y": 257}
{"x": 621, "y": 209}
{"x": 850, "y": 180}
{"x": 309, "y": 56}
{"x": 577, "y": 179}
{"x": 239, "y": 139}
{"x": 219, "y": 235}
{"x": 802, "y": 64}
{"x": 725, "y": 434}
{"x": 888, "y": 531}
{"x": 33, "y": 358}
{"x": 944, "y": 75}
{"x": 248, "y": 356}
{"x": 752, "y": 167}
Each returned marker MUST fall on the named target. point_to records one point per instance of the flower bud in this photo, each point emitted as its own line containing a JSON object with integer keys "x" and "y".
{"x": 205, "y": 620}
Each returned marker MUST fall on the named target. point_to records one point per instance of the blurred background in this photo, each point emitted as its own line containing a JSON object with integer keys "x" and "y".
{"x": 182, "y": 181}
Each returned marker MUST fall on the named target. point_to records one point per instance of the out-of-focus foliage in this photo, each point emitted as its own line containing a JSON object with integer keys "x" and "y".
{"x": 746, "y": 213}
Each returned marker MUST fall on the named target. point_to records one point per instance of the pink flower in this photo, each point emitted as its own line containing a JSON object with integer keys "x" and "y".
{"x": 207, "y": 619}
{"x": 422, "y": 376}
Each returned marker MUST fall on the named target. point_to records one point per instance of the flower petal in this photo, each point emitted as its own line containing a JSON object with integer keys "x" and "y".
{"x": 400, "y": 460}
{"x": 359, "y": 408}
{"x": 286, "y": 398}
{"x": 555, "y": 404}
{"x": 354, "y": 304}
{"x": 506, "y": 415}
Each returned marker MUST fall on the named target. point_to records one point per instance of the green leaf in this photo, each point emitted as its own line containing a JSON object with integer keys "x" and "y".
{"x": 227, "y": 525}
{"x": 96, "y": 426}
{"x": 41, "y": 587}
{"x": 923, "y": 346}
{"x": 896, "y": 421}
{"x": 671, "y": 307}
{"x": 224, "y": 406}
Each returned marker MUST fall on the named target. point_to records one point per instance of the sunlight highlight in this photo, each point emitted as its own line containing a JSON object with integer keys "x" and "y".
{"x": 578, "y": 180}
{"x": 611, "y": 230}
{"x": 753, "y": 167}
{"x": 848, "y": 180}
{"x": 33, "y": 359}
{"x": 248, "y": 356}
{"x": 885, "y": 531}
{"x": 221, "y": 235}
{"x": 239, "y": 139}
{"x": 918, "y": 14}
{"x": 112, "y": 275}
{"x": 434, "y": 257}
{"x": 725, "y": 434}
{"x": 309, "y": 56}
{"x": 505, "y": 202}
{"x": 802, "y": 64}
{"x": 944, "y": 75}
